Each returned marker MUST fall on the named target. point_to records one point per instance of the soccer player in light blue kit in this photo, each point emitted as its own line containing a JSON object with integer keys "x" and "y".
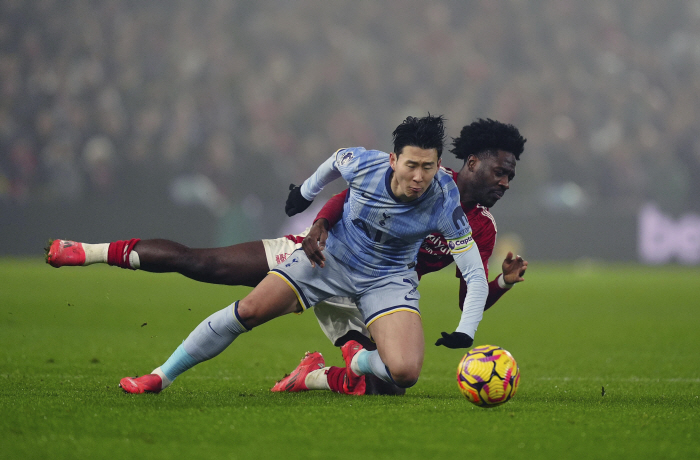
{"x": 395, "y": 201}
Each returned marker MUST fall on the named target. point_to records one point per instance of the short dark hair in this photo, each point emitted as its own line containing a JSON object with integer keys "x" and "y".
{"x": 486, "y": 137}
{"x": 425, "y": 133}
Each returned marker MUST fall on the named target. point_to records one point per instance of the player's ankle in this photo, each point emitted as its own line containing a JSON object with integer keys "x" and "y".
{"x": 122, "y": 254}
{"x": 317, "y": 379}
{"x": 356, "y": 365}
{"x": 95, "y": 253}
{"x": 164, "y": 378}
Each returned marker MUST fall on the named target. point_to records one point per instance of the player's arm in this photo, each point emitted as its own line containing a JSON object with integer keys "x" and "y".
{"x": 332, "y": 211}
{"x": 300, "y": 197}
{"x": 315, "y": 241}
{"x": 513, "y": 270}
{"x": 466, "y": 256}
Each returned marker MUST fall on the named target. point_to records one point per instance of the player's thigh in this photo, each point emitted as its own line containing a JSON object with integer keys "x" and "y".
{"x": 400, "y": 342}
{"x": 271, "y": 298}
{"x": 239, "y": 264}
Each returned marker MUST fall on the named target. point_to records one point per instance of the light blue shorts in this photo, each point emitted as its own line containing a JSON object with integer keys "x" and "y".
{"x": 375, "y": 297}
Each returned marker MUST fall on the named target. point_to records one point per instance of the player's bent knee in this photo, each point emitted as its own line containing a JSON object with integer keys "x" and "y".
{"x": 405, "y": 378}
{"x": 249, "y": 313}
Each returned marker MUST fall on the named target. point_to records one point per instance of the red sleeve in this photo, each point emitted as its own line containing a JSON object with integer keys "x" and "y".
{"x": 332, "y": 211}
{"x": 495, "y": 293}
{"x": 484, "y": 232}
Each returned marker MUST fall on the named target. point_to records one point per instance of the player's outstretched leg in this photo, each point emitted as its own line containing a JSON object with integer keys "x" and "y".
{"x": 241, "y": 264}
{"x": 67, "y": 253}
{"x": 210, "y": 338}
{"x": 273, "y": 297}
{"x": 296, "y": 381}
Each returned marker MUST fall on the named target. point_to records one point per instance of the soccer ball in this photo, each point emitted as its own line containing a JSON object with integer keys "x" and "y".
{"x": 488, "y": 376}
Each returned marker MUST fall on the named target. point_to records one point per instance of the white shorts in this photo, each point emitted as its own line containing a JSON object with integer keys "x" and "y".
{"x": 337, "y": 315}
{"x": 279, "y": 249}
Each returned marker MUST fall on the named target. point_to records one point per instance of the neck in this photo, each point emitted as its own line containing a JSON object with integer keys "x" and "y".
{"x": 465, "y": 197}
{"x": 469, "y": 203}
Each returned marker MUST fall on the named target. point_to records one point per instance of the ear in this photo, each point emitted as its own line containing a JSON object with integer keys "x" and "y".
{"x": 472, "y": 163}
{"x": 393, "y": 158}
{"x": 439, "y": 163}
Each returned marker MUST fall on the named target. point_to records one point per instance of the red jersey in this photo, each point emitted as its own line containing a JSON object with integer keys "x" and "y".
{"x": 434, "y": 254}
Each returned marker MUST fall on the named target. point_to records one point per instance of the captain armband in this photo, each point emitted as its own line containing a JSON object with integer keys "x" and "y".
{"x": 461, "y": 244}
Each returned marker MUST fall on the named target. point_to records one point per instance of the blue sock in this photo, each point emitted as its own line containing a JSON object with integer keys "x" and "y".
{"x": 178, "y": 363}
{"x": 208, "y": 339}
{"x": 369, "y": 362}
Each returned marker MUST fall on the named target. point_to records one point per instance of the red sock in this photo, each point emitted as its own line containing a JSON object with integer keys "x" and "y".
{"x": 335, "y": 376}
{"x": 119, "y": 251}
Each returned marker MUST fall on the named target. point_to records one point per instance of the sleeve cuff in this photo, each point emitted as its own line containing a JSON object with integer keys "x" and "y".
{"x": 305, "y": 192}
{"x": 502, "y": 284}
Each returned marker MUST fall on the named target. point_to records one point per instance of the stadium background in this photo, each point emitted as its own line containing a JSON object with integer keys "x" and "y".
{"x": 188, "y": 120}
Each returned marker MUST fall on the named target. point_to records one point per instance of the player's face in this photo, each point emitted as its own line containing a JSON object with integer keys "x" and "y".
{"x": 491, "y": 177}
{"x": 414, "y": 170}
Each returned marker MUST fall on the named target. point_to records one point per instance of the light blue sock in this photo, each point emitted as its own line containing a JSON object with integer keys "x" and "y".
{"x": 369, "y": 362}
{"x": 208, "y": 339}
{"x": 178, "y": 363}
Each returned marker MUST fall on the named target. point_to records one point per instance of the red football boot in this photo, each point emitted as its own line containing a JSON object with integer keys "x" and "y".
{"x": 64, "y": 252}
{"x": 353, "y": 384}
{"x": 149, "y": 383}
{"x": 296, "y": 381}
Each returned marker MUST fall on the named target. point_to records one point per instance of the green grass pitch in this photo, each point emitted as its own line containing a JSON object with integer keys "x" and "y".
{"x": 67, "y": 336}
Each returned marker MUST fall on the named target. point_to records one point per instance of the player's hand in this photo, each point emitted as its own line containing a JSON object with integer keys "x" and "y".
{"x": 513, "y": 269}
{"x": 455, "y": 340}
{"x": 315, "y": 242}
{"x": 296, "y": 203}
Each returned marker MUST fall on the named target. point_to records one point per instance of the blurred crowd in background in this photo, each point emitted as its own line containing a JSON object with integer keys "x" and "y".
{"x": 224, "y": 103}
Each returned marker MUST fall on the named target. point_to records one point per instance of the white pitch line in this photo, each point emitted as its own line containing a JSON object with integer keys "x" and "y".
{"x": 615, "y": 379}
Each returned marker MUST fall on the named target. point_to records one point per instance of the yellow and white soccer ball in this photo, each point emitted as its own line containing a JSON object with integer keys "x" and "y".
{"x": 488, "y": 376}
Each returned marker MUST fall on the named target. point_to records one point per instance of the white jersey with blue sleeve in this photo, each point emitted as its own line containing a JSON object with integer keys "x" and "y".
{"x": 379, "y": 235}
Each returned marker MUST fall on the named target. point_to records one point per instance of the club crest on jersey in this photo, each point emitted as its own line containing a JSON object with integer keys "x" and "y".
{"x": 462, "y": 244}
{"x": 345, "y": 158}
{"x": 386, "y": 217}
